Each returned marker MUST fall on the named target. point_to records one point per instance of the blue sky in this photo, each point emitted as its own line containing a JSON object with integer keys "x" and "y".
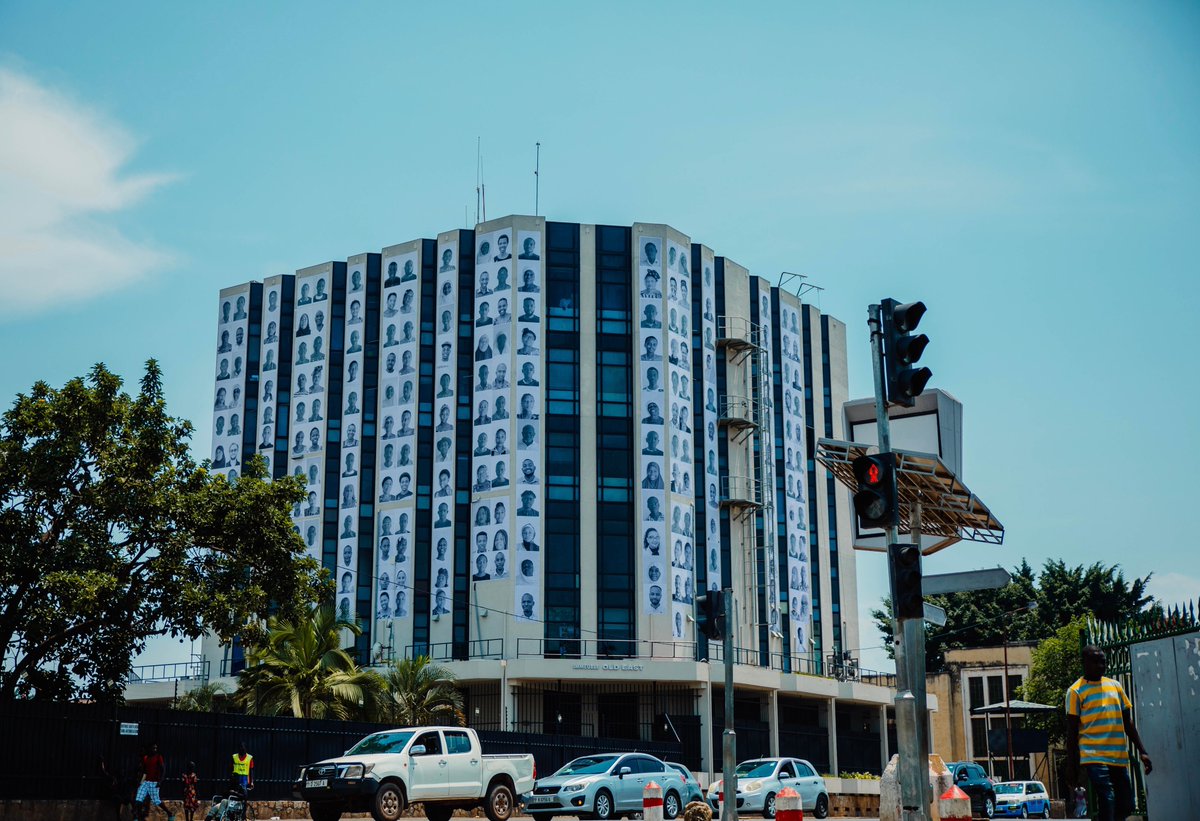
{"x": 1030, "y": 170}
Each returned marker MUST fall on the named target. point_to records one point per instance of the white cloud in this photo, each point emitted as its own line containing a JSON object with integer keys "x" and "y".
{"x": 1173, "y": 588}
{"x": 60, "y": 177}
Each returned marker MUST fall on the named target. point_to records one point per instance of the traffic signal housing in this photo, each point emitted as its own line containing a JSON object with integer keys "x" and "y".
{"x": 876, "y": 501}
{"x": 710, "y": 610}
{"x": 901, "y": 350}
{"x": 904, "y": 565}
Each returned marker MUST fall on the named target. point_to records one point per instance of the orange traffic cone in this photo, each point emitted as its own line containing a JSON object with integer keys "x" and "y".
{"x": 954, "y": 805}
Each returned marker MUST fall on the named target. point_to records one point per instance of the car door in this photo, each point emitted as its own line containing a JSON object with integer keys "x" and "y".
{"x": 463, "y": 765}
{"x": 962, "y": 778}
{"x": 427, "y": 773}
{"x": 627, "y": 790}
{"x": 808, "y": 783}
{"x": 1035, "y": 795}
{"x": 661, "y": 773}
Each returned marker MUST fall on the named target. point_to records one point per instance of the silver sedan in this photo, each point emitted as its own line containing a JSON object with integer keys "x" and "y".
{"x": 605, "y": 786}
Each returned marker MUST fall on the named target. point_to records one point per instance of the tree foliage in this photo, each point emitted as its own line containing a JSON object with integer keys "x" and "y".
{"x": 985, "y": 618}
{"x": 209, "y": 697}
{"x": 421, "y": 693}
{"x": 1056, "y": 666}
{"x": 110, "y": 533}
{"x": 302, "y": 670}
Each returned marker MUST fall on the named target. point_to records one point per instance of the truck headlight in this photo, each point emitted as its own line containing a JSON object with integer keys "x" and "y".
{"x": 351, "y": 771}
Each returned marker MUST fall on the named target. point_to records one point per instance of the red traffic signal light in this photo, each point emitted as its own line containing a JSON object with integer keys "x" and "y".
{"x": 875, "y": 502}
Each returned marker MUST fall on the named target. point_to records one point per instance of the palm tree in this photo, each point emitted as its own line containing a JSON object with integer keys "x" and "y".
{"x": 421, "y": 693}
{"x": 302, "y": 670}
{"x": 209, "y": 697}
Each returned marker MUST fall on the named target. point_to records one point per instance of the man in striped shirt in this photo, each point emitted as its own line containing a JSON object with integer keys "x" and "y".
{"x": 1099, "y": 729}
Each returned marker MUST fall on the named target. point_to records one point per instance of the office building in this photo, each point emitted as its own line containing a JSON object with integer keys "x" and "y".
{"x": 528, "y": 447}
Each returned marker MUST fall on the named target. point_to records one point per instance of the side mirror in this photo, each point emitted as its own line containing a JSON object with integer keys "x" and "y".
{"x": 624, "y": 771}
{"x": 785, "y": 776}
{"x": 417, "y": 749}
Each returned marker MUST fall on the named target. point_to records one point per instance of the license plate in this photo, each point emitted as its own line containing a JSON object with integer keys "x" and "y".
{"x": 541, "y": 799}
{"x": 316, "y": 782}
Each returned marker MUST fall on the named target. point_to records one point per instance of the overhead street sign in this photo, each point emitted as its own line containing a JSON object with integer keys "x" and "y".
{"x": 935, "y": 615}
{"x": 939, "y": 584}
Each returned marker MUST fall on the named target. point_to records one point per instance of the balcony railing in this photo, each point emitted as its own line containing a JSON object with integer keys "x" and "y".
{"x": 196, "y": 670}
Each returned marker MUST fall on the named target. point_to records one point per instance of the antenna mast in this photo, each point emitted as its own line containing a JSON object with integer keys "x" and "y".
{"x": 537, "y": 179}
{"x": 478, "y": 176}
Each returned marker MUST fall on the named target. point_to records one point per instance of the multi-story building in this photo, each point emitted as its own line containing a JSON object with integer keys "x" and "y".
{"x": 529, "y": 446}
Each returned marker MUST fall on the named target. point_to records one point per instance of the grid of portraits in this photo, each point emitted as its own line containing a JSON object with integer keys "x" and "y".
{"x": 712, "y": 506}
{"x": 306, "y": 514}
{"x": 310, "y": 340}
{"x": 229, "y": 404}
{"x": 795, "y": 468}
{"x": 269, "y": 373}
{"x": 652, "y": 429}
{"x": 506, "y": 426}
{"x": 527, "y": 567}
{"x": 441, "y": 599}
{"x": 766, "y": 392}
{"x": 348, "y": 486}
{"x": 679, "y": 436}
{"x": 396, "y": 459}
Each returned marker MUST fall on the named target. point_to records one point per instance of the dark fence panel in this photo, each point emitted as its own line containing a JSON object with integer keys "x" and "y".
{"x": 52, "y": 750}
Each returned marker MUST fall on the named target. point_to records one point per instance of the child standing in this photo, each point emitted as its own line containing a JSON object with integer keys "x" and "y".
{"x": 190, "y": 802}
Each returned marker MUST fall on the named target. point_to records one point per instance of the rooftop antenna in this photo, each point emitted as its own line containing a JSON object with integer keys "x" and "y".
{"x": 480, "y": 188}
{"x": 537, "y": 179}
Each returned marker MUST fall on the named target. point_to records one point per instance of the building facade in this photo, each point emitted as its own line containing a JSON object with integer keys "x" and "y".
{"x": 529, "y": 446}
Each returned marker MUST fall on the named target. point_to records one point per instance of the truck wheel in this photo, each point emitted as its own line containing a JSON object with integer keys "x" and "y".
{"x": 389, "y": 803}
{"x": 602, "y": 806}
{"x": 499, "y": 806}
{"x": 435, "y": 812}
{"x": 325, "y": 812}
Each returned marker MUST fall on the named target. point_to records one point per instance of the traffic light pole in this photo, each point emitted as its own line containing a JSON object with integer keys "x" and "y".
{"x": 729, "y": 737}
{"x": 907, "y": 633}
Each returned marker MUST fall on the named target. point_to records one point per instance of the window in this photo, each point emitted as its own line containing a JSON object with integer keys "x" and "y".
{"x": 648, "y": 765}
{"x": 803, "y": 770}
{"x": 974, "y": 692}
{"x": 457, "y": 742}
{"x": 432, "y": 742}
{"x": 995, "y": 689}
{"x": 786, "y": 769}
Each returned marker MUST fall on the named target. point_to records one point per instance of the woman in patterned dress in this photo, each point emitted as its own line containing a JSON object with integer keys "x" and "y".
{"x": 190, "y": 802}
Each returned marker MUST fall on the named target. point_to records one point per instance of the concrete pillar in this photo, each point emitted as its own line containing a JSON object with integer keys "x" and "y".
{"x": 773, "y": 720}
{"x": 833, "y": 758}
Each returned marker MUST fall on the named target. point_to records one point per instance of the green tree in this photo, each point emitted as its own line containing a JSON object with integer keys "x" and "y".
{"x": 1056, "y": 666}
{"x": 985, "y": 618}
{"x": 209, "y": 697}
{"x": 302, "y": 670}
{"x": 110, "y": 534}
{"x": 421, "y": 693}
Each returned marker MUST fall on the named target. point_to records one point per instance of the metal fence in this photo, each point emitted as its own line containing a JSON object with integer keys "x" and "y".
{"x": 52, "y": 751}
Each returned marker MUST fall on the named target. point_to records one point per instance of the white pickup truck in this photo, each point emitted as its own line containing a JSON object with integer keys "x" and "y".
{"x": 438, "y": 767}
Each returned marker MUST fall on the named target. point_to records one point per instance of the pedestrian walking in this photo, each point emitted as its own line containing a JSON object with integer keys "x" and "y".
{"x": 148, "y": 795}
{"x": 1099, "y": 729}
{"x": 1080, "y": 803}
{"x": 109, "y": 792}
{"x": 243, "y": 768}
{"x": 191, "y": 802}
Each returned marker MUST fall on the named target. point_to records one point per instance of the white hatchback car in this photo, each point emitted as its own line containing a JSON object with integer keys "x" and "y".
{"x": 1022, "y": 799}
{"x": 760, "y": 780}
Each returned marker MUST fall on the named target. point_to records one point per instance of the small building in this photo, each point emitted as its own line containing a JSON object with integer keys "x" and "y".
{"x": 972, "y": 681}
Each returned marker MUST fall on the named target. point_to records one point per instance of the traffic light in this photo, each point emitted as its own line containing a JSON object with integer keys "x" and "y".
{"x": 904, "y": 564}
{"x": 710, "y": 609}
{"x": 901, "y": 350}
{"x": 875, "y": 502}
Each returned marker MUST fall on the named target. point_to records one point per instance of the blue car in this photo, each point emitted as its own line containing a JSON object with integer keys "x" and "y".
{"x": 1022, "y": 799}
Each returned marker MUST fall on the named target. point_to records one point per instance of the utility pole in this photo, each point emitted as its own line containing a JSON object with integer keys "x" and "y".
{"x": 908, "y": 635}
{"x": 729, "y": 737}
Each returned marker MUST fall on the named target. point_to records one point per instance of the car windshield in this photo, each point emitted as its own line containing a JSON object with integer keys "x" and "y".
{"x": 1008, "y": 789}
{"x": 755, "y": 769}
{"x": 381, "y": 743}
{"x": 588, "y": 765}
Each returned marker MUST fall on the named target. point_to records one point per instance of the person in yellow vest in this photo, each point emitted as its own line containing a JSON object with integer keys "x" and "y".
{"x": 1099, "y": 729}
{"x": 243, "y": 768}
